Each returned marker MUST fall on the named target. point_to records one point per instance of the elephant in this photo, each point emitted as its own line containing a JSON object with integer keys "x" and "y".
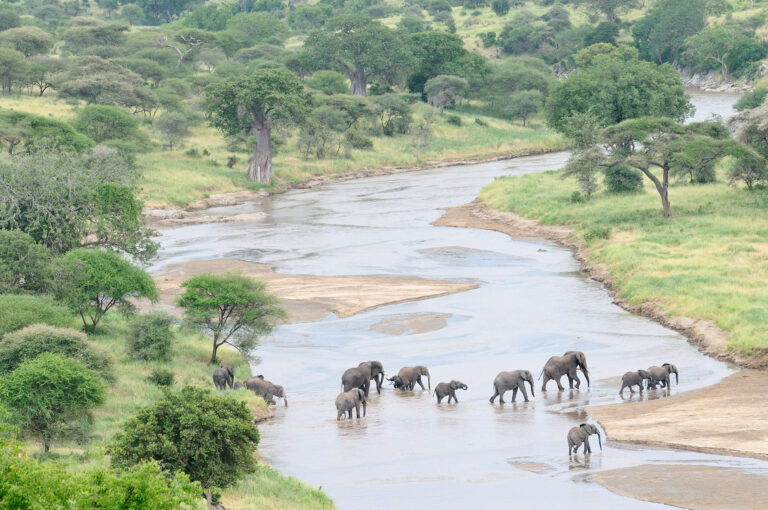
{"x": 408, "y": 377}
{"x": 513, "y": 380}
{"x": 265, "y": 389}
{"x": 449, "y": 389}
{"x": 661, "y": 375}
{"x": 221, "y": 378}
{"x": 557, "y": 366}
{"x": 633, "y": 379}
{"x": 580, "y": 435}
{"x": 347, "y": 400}
{"x": 230, "y": 374}
{"x": 360, "y": 377}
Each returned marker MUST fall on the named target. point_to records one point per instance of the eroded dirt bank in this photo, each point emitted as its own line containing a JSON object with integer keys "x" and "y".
{"x": 309, "y": 297}
{"x": 730, "y": 417}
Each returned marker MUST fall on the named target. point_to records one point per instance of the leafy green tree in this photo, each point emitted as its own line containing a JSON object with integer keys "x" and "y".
{"x": 661, "y": 33}
{"x": 354, "y": 108}
{"x": 751, "y": 99}
{"x": 359, "y": 47}
{"x": 725, "y": 46}
{"x": 500, "y": 7}
{"x": 309, "y": 17}
{"x": 32, "y": 341}
{"x": 249, "y": 29}
{"x": 234, "y": 308}
{"x": 24, "y": 264}
{"x": 328, "y": 82}
{"x": 132, "y": 13}
{"x": 49, "y": 396}
{"x": 443, "y": 91}
{"x": 616, "y": 86}
{"x": 80, "y": 38}
{"x": 173, "y": 128}
{"x": 97, "y": 80}
{"x": 101, "y": 122}
{"x": 27, "y": 40}
{"x": 210, "y": 438}
{"x": 20, "y": 311}
{"x": 525, "y": 33}
{"x": 13, "y": 66}
{"x": 144, "y": 67}
{"x": 611, "y": 8}
{"x": 393, "y": 113}
{"x": 604, "y": 32}
{"x": 437, "y": 53}
{"x": 92, "y": 282}
{"x": 9, "y": 16}
{"x": 35, "y": 131}
{"x": 523, "y": 104}
{"x": 252, "y": 105}
{"x": 165, "y": 10}
{"x": 213, "y": 17}
{"x": 514, "y": 75}
{"x": 749, "y": 170}
{"x": 41, "y": 68}
{"x": 151, "y": 337}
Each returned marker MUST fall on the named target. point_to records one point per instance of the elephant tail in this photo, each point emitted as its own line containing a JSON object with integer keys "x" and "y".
{"x": 540, "y": 374}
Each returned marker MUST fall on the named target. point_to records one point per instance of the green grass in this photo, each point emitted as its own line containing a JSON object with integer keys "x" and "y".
{"x": 264, "y": 489}
{"x": 709, "y": 261}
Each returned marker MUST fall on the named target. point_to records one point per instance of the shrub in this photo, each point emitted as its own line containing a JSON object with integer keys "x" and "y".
{"x": 18, "y": 312}
{"x": 328, "y": 82}
{"x": 597, "y": 233}
{"x": 751, "y": 99}
{"x": 50, "y": 397}
{"x": 577, "y": 197}
{"x": 24, "y": 264}
{"x": 480, "y": 122}
{"x": 358, "y": 140}
{"x": 32, "y": 341}
{"x": 151, "y": 337}
{"x": 454, "y": 120}
{"x": 623, "y": 179}
{"x": 161, "y": 377}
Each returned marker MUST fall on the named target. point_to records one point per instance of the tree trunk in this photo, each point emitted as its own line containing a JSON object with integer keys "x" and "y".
{"x": 664, "y": 192}
{"x": 359, "y": 83}
{"x": 209, "y": 501}
{"x": 46, "y": 447}
{"x": 213, "y": 352}
{"x": 244, "y": 6}
{"x": 260, "y": 167}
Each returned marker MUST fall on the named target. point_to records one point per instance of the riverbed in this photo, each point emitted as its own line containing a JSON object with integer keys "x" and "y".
{"x": 531, "y": 302}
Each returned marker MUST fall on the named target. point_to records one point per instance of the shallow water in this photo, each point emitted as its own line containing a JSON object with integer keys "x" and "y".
{"x": 532, "y": 303}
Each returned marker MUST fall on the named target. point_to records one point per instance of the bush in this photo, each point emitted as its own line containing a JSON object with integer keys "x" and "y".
{"x": 454, "y": 120}
{"x": 32, "y": 341}
{"x": 751, "y": 99}
{"x": 480, "y": 122}
{"x": 358, "y": 140}
{"x": 24, "y": 264}
{"x": 161, "y": 377}
{"x": 151, "y": 337}
{"x": 597, "y": 233}
{"x": 328, "y": 82}
{"x": 577, "y": 197}
{"x": 18, "y": 312}
{"x": 623, "y": 179}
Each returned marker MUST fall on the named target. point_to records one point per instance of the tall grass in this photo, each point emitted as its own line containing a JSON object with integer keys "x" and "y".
{"x": 709, "y": 261}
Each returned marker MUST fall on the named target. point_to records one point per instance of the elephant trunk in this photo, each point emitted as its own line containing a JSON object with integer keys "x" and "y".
{"x": 677, "y": 380}
{"x": 285, "y": 401}
{"x": 530, "y": 383}
{"x": 599, "y": 441}
{"x": 586, "y": 374}
{"x": 429, "y": 382}
{"x": 365, "y": 406}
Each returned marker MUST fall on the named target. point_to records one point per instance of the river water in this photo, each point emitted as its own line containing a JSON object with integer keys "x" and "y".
{"x": 532, "y": 302}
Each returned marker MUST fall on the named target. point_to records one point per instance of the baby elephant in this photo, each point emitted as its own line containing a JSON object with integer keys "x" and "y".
{"x": 633, "y": 379}
{"x": 580, "y": 435}
{"x": 348, "y": 400}
{"x": 443, "y": 390}
{"x": 662, "y": 375}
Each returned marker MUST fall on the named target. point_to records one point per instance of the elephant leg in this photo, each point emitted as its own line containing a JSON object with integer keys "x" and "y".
{"x": 544, "y": 384}
{"x": 570, "y": 381}
{"x": 440, "y": 398}
{"x": 525, "y": 393}
{"x": 349, "y": 413}
{"x": 455, "y": 400}
{"x": 366, "y": 387}
{"x": 418, "y": 380}
{"x": 640, "y": 386}
{"x": 559, "y": 386}
{"x": 586, "y": 445}
{"x": 578, "y": 381}
{"x": 501, "y": 396}
{"x": 495, "y": 394}
{"x": 514, "y": 394}
{"x": 621, "y": 391}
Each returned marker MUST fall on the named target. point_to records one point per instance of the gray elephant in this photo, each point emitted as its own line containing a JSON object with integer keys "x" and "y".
{"x": 448, "y": 389}
{"x": 360, "y": 376}
{"x": 407, "y": 378}
{"x": 348, "y": 400}
{"x": 662, "y": 375}
{"x": 221, "y": 378}
{"x": 633, "y": 379}
{"x": 513, "y": 380}
{"x": 580, "y": 435}
{"x": 265, "y": 389}
{"x": 558, "y": 366}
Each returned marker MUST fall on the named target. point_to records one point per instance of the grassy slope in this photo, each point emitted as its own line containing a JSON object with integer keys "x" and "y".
{"x": 264, "y": 489}
{"x": 710, "y": 261}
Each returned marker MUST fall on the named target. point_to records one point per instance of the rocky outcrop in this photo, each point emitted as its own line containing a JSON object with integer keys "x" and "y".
{"x": 713, "y": 82}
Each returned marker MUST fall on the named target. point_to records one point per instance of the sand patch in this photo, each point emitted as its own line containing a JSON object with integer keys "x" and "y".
{"x": 729, "y": 418}
{"x": 698, "y": 487}
{"x": 525, "y": 464}
{"x": 308, "y": 297}
{"x": 411, "y": 324}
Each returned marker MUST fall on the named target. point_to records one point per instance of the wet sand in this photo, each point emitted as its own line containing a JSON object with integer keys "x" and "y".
{"x": 698, "y": 487}
{"x": 308, "y": 297}
{"x": 411, "y": 324}
{"x": 729, "y": 418}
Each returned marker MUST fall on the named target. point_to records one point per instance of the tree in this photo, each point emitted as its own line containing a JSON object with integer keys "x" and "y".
{"x": 359, "y": 47}
{"x": 151, "y": 337}
{"x": 92, "y": 282}
{"x": 12, "y": 68}
{"x": 437, "y": 53}
{"x": 751, "y": 99}
{"x": 719, "y": 44}
{"x": 615, "y": 85}
{"x": 49, "y": 397}
{"x": 328, "y": 82}
{"x": 393, "y": 113}
{"x": 252, "y": 105}
{"x": 24, "y": 263}
{"x": 132, "y": 13}
{"x": 165, "y": 10}
{"x": 101, "y": 123}
{"x": 213, "y": 17}
{"x": 18, "y": 311}
{"x": 35, "y": 131}
{"x": 610, "y": 8}
{"x": 249, "y": 29}
{"x": 173, "y": 128}
{"x": 65, "y": 201}
{"x": 27, "y": 40}
{"x": 749, "y": 170}
{"x": 184, "y": 44}
{"x": 523, "y": 104}
{"x": 97, "y": 80}
{"x": 443, "y": 91}
{"x": 40, "y": 69}
{"x": 209, "y": 438}
{"x": 144, "y": 67}
{"x": 662, "y": 31}
{"x": 525, "y": 33}
{"x": 500, "y": 7}
{"x": 234, "y": 308}
{"x": 9, "y": 16}
{"x": 309, "y": 17}
{"x": 78, "y": 39}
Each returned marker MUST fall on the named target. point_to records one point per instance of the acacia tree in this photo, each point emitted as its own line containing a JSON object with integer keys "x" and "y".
{"x": 443, "y": 91}
{"x": 610, "y": 8}
{"x": 523, "y": 104}
{"x": 717, "y": 44}
{"x": 361, "y": 48}
{"x": 251, "y": 105}
{"x": 234, "y": 308}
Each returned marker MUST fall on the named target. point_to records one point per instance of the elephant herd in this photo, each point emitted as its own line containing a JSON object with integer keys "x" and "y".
{"x": 356, "y": 384}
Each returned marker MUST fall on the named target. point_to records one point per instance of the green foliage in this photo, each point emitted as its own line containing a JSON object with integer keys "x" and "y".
{"x": 623, "y": 179}
{"x": 144, "y": 67}
{"x": 13, "y": 67}
{"x": 173, "y": 128}
{"x": 605, "y": 32}
{"x": 78, "y": 39}
{"x": 751, "y": 99}
{"x": 97, "y": 80}
{"x": 328, "y": 82}
{"x": 309, "y": 17}
{"x": 210, "y": 438}
{"x": 213, "y": 17}
{"x": 60, "y": 199}
{"x": 48, "y": 396}
{"x": 161, "y": 377}
{"x": 92, "y": 282}
{"x": 165, "y": 11}
{"x": 729, "y": 48}
{"x": 252, "y": 28}
{"x": 523, "y": 104}
{"x": 234, "y": 308}
{"x": 151, "y": 337}
{"x": 662, "y": 31}
{"x": 443, "y": 91}
{"x": 100, "y": 123}
{"x": 35, "y": 131}
{"x": 9, "y": 16}
{"x": 610, "y": 8}
{"x": 24, "y": 264}
{"x": 524, "y": 33}
{"x": 454, "y": 120}
{"x": 599, "y": 232}
{"x": 27, "y": 40}
{"x": 132, "y": 13}
{"x": 500, "y": 7}
{"x": 32, "y": 341}
{"x": 18, "y": 311}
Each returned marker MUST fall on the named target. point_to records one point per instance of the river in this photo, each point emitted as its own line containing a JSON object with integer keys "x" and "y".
{"x": 532, "y": 302}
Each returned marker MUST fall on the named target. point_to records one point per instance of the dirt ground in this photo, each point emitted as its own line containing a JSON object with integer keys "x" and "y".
{"x": 310, "y": 298}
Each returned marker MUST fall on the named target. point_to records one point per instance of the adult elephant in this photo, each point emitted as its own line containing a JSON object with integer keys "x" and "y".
{"x": 348, "y": 400}
{"x": 361, "y": 376}
{"x": 265, "y": 389}
{"x": 662, "y": 375}
{"x": 513, "y": 380}
{"x": 558, "y": 366}
{"x": 407, "y": 378}
{"x": 221, "y": 378}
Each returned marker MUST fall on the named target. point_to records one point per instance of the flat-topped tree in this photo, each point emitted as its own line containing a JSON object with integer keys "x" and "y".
{"x": 251, "y": 104}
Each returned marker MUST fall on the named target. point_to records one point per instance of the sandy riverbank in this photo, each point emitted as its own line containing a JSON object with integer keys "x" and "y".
{"x": 730, "y": 417}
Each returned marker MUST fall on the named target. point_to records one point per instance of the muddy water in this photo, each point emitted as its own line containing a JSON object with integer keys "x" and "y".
{"x": 532, "y": 303}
